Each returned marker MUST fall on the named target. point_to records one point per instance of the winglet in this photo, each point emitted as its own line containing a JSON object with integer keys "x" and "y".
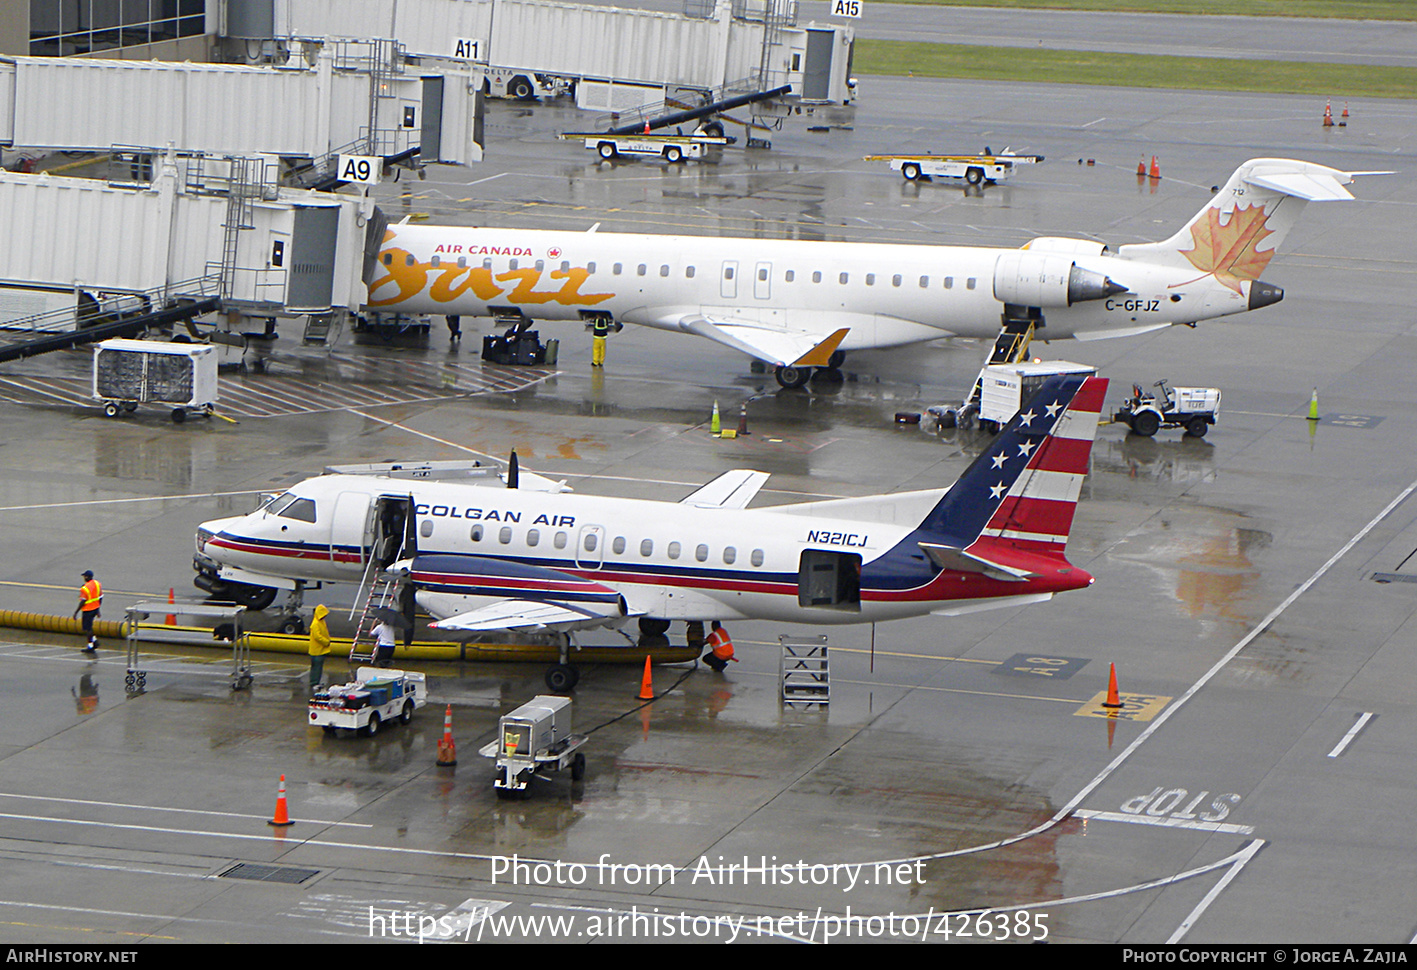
{"x": 819, "y": 355}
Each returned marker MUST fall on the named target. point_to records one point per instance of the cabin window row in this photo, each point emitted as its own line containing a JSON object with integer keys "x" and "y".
{"x": 591, "y": 542}
{"x": 729, "y": 272}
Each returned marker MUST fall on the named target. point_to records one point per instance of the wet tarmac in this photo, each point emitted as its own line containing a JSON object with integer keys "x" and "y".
{"x": 960, "y": 765}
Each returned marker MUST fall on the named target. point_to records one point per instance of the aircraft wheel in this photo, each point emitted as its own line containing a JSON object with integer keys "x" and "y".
{"x": 606, "y": 149}
{"x": 837, "y": 358}
{"x": 974, "y": 176}
{"x": 910, "y": 170}
{"x": 562, "y": 678}
{"x": 1197, "y": 427}
{"x": 653, "y": 628}
{"x": 293, "y": 625}
{"x": 792, "y": 377}
{"x": 1146, "y": 423}
{"x": 713, "y": 129}
{"x": 251, "y": 597}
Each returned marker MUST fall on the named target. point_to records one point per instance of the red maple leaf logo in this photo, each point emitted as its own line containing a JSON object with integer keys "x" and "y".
{"x": 1228, "y": 250}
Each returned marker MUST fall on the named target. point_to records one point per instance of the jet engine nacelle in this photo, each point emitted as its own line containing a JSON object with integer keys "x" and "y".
{"x": 1067, "y": 246}
{"x": 1047, "y": 280}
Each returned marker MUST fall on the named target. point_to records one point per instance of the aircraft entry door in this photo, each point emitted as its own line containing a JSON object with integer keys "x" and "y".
{"x": 393, "y": 535}
{"x": 728, "y": 283}
{"x": 762, "y": 281}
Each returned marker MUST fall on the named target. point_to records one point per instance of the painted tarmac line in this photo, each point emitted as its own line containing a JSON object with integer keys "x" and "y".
{"x": 1226, "y": 828}
{"x": 1068, "y": 809}
{"x": 161, "y": 808}
{"x": 1342, "y": 745}
{"x": 276, "y": 838}
{"x": 1242, "y": 858}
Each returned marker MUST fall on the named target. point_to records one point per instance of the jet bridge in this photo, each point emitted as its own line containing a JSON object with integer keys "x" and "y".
{"x": 353, "y": 99}
{"x": 613, "y": 58}
{"x": 94, "y": 253}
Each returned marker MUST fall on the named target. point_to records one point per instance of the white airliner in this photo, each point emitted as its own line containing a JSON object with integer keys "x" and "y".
{"x": 800, "y": 305}
{"x": 481, "y": 559}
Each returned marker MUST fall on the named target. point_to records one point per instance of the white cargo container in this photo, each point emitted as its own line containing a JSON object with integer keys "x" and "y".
{"x": 1003, "y": 387}
{"x": 180, "y": 376}
{"x": 298, "y": 112}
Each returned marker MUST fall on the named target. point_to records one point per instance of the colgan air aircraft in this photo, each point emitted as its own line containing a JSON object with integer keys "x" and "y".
{"x": 481, "y": 559}
{"x": 800, "y": 305}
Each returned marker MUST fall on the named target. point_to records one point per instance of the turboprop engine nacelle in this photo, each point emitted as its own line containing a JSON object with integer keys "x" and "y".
{"x": 1048, "y": 280}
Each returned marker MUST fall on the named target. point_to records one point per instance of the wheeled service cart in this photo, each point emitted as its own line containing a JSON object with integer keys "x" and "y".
{"x": 223, "y": 621}
{"x": 179, "y": 376}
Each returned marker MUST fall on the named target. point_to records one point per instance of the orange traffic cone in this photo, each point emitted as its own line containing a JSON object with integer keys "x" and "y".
{"x": 1328, "y": 114}
{"x": 646, "y": 126}
{"x": 447, "y": 747}
{"x": 646, "y": 687}
{"x": 1343, "y": 118}
{"x": 282, "y": 818}
{"x": 1141, "y": 169}
{"x": 1114, "y": 700}
{"x": 1155, "y": 169}
{"x": 171, "y": 600}
{"x": 743, "y": 420}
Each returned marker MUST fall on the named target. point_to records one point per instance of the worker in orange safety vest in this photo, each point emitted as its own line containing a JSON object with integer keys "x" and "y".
{"x": 720, "y": 648}
{"x": 90, "y": 598}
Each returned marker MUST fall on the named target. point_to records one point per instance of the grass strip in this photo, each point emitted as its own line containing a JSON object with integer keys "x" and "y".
{"x": 1338, "y": 9}
{"x": 975, "y": 62}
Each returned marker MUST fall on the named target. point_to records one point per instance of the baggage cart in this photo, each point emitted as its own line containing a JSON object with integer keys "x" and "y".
{"x": 179, "y": 376}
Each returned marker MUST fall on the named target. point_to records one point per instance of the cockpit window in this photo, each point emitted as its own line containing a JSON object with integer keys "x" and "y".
{"x": 276, "y": 504}
{"x": 298, "y": 508}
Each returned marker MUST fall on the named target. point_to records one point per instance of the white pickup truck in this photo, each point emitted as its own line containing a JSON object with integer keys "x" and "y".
{"x": 377, "y": 696}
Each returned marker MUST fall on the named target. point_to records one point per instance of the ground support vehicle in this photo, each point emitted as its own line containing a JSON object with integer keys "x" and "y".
{"x": 1192, "y": 408}
{"x": 534, "y": 738}
{"x": 672, "y": 148}
{"x": 377, "y": 696}
{"x": 974, "y": 169}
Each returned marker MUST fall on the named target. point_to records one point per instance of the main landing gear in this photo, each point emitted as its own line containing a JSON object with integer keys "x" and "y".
{"x": 793, "y": 376}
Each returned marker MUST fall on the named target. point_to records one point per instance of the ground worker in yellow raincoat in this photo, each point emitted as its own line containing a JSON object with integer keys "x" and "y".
{"x": 319, "y": 645}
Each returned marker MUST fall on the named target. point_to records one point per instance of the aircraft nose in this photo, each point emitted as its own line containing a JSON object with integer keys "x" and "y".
{"x": 1264, "y": 294}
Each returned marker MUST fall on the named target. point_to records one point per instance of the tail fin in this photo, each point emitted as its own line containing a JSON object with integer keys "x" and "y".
{"x": 1023, "y": 489}
{"x": 1238, "y": 231}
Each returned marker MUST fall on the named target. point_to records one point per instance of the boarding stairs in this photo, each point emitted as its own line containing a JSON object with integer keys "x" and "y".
{"x": 1010, "y": 347}
{"x": 375, "y": 591}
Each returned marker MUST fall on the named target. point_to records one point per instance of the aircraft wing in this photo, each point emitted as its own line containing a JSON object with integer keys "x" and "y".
{"x": 480, "y": 593}
{"x": 775, "y": 345}
{"x": 731, "y": 490}
{"x": 528, "y": 616}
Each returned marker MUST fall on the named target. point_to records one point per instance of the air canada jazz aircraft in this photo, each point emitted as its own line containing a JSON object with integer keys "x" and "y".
{"x": 481, "y": 559}
{"x": 801, "y": 305}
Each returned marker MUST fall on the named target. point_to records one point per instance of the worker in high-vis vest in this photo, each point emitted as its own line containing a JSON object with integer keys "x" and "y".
{"x": 600, "y": 329}
{"x": 720, "y": 648}
{"x": 90, "y": 598}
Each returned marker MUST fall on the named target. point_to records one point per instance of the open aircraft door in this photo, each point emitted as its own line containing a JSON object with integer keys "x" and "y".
{"x": 829, "y": 580}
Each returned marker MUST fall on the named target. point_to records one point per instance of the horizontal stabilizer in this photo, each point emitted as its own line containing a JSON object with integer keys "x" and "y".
{"x": 950, "y": 557}
{"x": 731, "y": 490}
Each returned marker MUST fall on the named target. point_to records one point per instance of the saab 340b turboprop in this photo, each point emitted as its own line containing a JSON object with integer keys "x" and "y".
{"x": 800, "y": 305}
{"x": 485, "y": 559}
